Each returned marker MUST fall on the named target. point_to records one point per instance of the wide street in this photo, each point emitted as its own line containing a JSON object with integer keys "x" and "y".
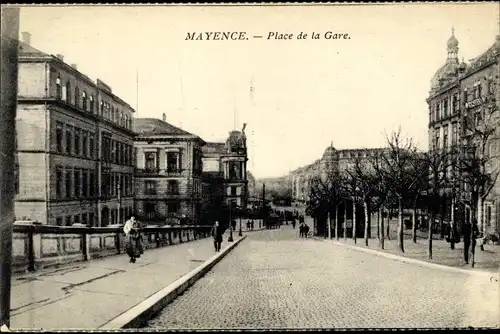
{"x": 273, "y": 279}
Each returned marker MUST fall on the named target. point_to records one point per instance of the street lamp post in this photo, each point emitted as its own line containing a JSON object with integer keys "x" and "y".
{"x": 240, "y": 232}
{"x": 230, "y": 239}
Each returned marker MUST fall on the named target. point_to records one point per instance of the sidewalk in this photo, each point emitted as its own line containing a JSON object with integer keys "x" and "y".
{"x": 487, "y": 260}
{"x": 86, "y": 295}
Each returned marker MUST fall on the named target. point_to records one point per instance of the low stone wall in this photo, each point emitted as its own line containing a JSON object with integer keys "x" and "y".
{"x": 39, "y": 246}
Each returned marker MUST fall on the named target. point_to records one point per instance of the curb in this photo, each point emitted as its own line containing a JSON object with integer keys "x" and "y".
{"x": 148, "y": 308}
{"x": 482, "y": 273}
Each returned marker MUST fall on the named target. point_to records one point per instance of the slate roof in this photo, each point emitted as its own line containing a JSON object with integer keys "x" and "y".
{"x": 211, "y": 147}
{"x": 156, "y": 127}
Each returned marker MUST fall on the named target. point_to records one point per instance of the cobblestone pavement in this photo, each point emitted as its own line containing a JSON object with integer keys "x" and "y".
{"x": 276, "y": 280}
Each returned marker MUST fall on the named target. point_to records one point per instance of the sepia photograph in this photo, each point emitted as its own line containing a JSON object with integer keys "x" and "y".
{"x": 250, "y": 167}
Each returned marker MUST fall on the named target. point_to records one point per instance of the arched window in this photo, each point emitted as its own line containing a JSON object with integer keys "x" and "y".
{"x": 121, "y": 119}
{"x": 84, "y": 100}
{"x": 58, "y": 88}
{"x": 102, "y": 108}
{"x": 77, "y": 96}
{"x": 68, "y": 92}
{"x": 126, "y": 121}
{"x": 91, "y": 103}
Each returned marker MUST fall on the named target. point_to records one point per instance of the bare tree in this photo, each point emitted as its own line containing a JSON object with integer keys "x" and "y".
{"x": 353, "y": 191}
{"x": 398, "y": 162}
{"x": 366, "y": 177}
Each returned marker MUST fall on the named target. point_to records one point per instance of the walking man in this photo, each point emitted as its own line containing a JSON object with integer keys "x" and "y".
{"x": 217, "y": 235}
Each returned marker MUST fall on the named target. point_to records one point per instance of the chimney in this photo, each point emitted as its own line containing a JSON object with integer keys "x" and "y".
{"x": 60, "y": 56}
{"x": 74, "y": 66}
{"x": 26, "y": 37}
{"x": 164, "y": 117}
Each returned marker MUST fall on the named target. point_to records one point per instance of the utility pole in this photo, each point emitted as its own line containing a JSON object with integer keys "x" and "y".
{"x": 9, "y": 69}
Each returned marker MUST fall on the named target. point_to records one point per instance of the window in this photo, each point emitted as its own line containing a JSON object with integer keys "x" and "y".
{"x": 77, "y": 96}
{"x": 68, "y": 183}
{"x": 16, "y": 178}
{"x": 85, "y": 183}
{"x": 121, "y": 119}
{"x": 68, "y": 92}
{"x": 445, "y": 108}
{"x": 172, "y": 208}
{"x": 91, "y": 145}
{"x": 84, "y": 219}
{"x": 150, "y": 210}
{"x": 69, "y": 139}
{"x": 233, "y": 191}
{"x": 59, "y": 137}
{"x": 59, "y": 221}
{"x": 91, "y": 103}
{"x": 445, "y": 136}
{"x": 106, "y": 149}
{"x": 77, "y": 141}
{"x": 58, "y": 88}
{"x": 113, "y": 151}
{"x": 150, "y": 187}
{"x": 91, "y": 219}
{"x": 84, "y": 100}
{"x": 91, "y": 183}
{"x": 68, "y": 221}
{"x": 59, "y": 182}
{"x": 150, "y": 158}
{"x": 78, "y": 183}
{"x": 172, "y": 162}
{"x": 488, "y": 215}
{"x": 436, "y": 138}
{"x": 173, "y": 187}
{"x": 454, "y": 131}
{"x": 85, "y": 144}
{"x": 121, "y": 154}
{"x": 76, "y": 219}
{"x": 106, "y": 183}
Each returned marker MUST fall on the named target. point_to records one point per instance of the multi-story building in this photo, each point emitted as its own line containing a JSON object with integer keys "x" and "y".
{"x": 230, "y": 161}
{"x": 168, "y": 178}
{"x": 463, "y": 92}
{"x": 74, "y": 145}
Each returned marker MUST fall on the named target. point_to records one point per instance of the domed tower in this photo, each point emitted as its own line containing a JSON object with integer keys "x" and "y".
{"x": 328, "y": 161}
{"x": 449, "y": 71}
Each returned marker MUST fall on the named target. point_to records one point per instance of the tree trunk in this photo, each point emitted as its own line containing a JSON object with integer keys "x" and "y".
{"x": 388, "y": 224}
{"x": 354, "y": 221}
{"x": 345, "y": 221}
{"x": 441, "y": 219}
{"x": 429, "y": 235}
{"x": 400, "y": 225}
{"x": 329, "y": 217}
{"x": 414, "y": 222}
{"x": 382, "y": 237}
{"x": 367, "y": 222}
{"x": 337, "y": 228}
{"x": 378, "y": 223}
{"x": 480, "y": 213}
{"x": 472, "y": 236}
{"x": 452, "y": 224}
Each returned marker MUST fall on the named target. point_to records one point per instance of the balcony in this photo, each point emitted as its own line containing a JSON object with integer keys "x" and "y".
{"x": 173, "y": 172}
{"x": 147, "y": 171}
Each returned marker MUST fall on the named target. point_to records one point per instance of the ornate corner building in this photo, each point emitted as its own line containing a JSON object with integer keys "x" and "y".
{"x": 168, "y": 176}
{"x": 228, "y": 162}
{"x": 74, "y": 145}
{"x": 464, "y": 96}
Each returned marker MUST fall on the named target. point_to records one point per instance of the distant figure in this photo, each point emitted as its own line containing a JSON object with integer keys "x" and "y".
{"x": 294, "y": 222}
{"x": 233, "y": 224}
{"x": 301, "y": 230}
{"x": 252, "y": 224}
{"x": 133, "y": 239}
{"x": 466, "y": 232}
{"x": 248, "y": 225}
{"x": 306, "y": 230}
{"x": 217, "y": 235}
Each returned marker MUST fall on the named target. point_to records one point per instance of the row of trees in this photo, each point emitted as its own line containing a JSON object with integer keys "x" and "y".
{"x": 402, "y": 177}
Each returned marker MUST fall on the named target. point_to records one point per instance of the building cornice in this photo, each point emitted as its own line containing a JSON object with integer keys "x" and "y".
{"x": 65, "y": 105}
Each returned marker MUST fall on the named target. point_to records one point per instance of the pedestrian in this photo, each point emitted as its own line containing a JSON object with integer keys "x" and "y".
{"x": 469, "y": 240}
{"x": 233, "y": 224}
{"x": 293, "y": 222}
{"x": 306, "y": 230}
{"x": 248, "y": 225}
{"x": 252, "y": 225}
{"x": 132, "y": 235}
{"x": 301, "y": 230}
{"x": 217, "y": 235}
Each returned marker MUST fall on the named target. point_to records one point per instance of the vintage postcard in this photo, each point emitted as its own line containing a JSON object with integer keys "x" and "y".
{"x": 280, "y": 166}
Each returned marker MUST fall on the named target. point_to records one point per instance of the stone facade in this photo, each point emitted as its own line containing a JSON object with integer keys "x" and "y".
{"x": 459, "y": 91}
{"x": 168, "y": 178}
{"x": 230, "y": 160}
{"x": 74, "y": 145}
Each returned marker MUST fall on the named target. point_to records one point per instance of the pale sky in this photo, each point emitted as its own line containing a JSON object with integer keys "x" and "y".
{"x": 307, "y": 93}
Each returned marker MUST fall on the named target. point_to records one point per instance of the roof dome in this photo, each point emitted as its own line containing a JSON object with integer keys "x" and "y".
{"x": 452, "y": 42}
{"x": 330, "y": 151}
{"x": 447, "y": 72}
